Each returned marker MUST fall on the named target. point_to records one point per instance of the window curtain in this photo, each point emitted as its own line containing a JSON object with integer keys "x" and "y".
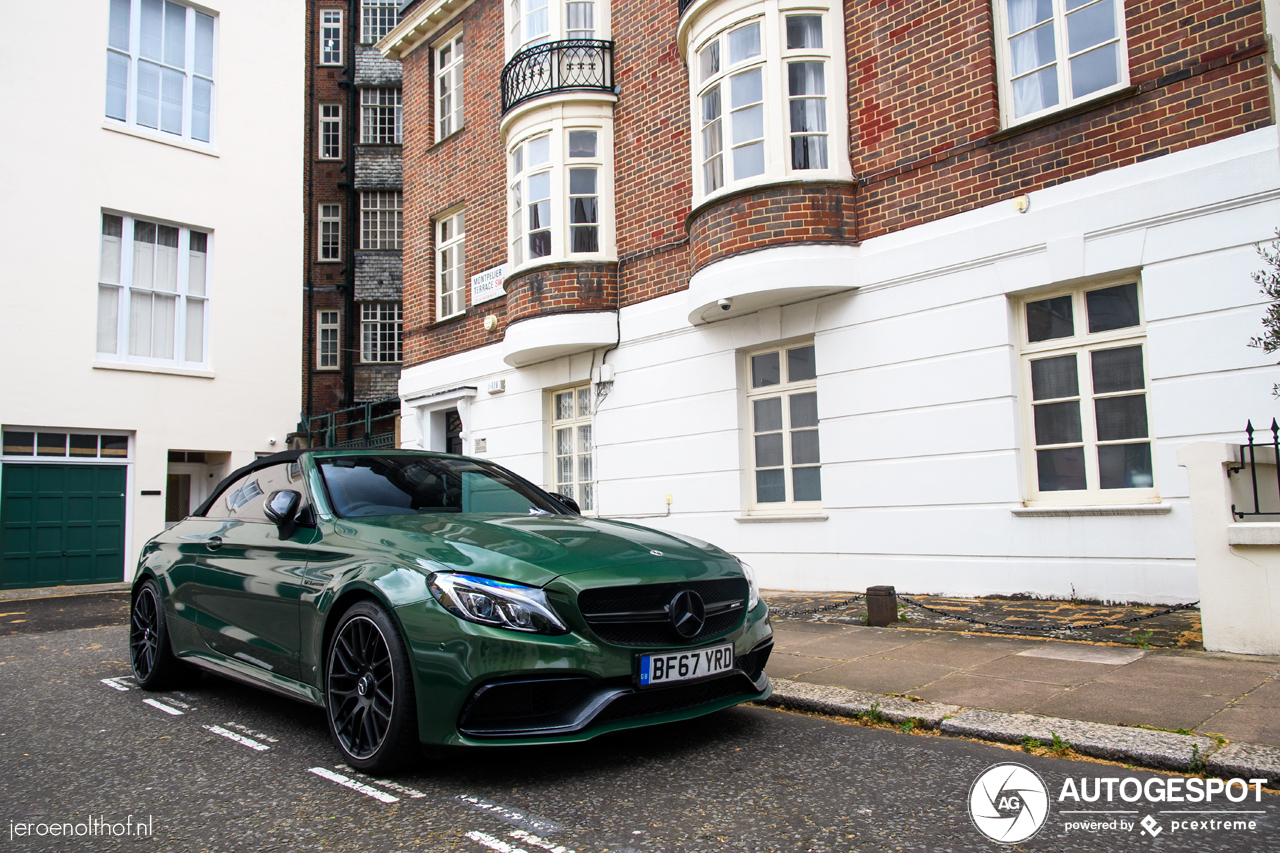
{"x": 1030, "y": 50}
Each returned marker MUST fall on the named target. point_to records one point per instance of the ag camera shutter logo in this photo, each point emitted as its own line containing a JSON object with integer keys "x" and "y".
{"x": 1008, "y": 803}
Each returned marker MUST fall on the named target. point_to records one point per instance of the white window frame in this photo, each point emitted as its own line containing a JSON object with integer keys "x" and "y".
{"x": 328, "y": 324}
{"x": 330, "y": 121}
{"x": 556, "y": 131}
{"x": 381, "y": 116}
{"x": 785, "y": 390}
{"x": 582, "y": 398}
{"x": 381, "y": 220}
{"x": 451, "y": 284}
{"x": 115, "y": 297}
{"x": 1004, "y": 60}
{"x": 329, "y": 233}
{"x": 377, "y": 18}
{"x": 774, "y": 61}
{"x": 193, "y": 78}
{"x": 519, "y": 36}
{"x": 381, "y": 333}
{"x": 449, "y": 83}
{"x": 330, "y": 35}
{"x": 1082, "y": 343}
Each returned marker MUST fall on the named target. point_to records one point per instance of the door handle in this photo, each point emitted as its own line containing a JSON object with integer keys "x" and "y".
{"x": 213, "y": 543}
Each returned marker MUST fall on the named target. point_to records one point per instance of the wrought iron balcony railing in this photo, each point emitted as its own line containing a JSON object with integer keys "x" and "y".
{"x": 681, "y": 5}
{"x": 571, "y": 65}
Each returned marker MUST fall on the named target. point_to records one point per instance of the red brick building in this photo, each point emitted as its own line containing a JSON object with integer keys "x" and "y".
{"x": 352, "y": 271}
{"x": 906, "y": 267}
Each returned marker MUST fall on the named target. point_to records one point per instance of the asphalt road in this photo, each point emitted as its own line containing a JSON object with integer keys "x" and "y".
{"x": 223, "y": 767}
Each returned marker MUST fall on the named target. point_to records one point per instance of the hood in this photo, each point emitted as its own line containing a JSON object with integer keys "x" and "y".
{"x": 532, "y": 549}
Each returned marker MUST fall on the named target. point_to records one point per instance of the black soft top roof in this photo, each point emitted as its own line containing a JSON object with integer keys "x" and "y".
{"x": 255, "y": 465}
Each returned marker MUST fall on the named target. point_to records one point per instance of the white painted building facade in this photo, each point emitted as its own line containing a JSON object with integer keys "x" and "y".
{"x": 150, "y": 320}
{"x": 924, "y": 388}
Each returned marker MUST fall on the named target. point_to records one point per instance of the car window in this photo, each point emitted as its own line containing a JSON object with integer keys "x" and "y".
{"x": 244, "y": 499}
{"x": 364, "y": 486}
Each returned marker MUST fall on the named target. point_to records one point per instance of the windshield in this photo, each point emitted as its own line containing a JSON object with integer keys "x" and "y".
{"x": 365, "y": 486}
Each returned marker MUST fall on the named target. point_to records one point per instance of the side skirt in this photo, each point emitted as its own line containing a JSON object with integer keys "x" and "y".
{"x": 254, "y": 677}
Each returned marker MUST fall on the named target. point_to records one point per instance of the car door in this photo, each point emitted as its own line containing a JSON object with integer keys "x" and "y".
{"x": 248, "y": 583}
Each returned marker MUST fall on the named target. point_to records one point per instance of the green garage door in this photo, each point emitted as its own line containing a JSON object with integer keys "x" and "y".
{"x": 61, "y": 524}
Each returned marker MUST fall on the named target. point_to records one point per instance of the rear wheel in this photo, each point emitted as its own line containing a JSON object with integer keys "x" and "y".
{"x": 369, "y": 691}
{"x": 154, "y": 664}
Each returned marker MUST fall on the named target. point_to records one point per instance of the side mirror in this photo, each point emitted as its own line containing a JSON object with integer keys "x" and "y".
{"x": 282, "y": 508}
{"x": 569, "y": 502}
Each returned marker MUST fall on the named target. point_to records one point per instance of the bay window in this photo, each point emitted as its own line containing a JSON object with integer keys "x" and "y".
{"x": 153, "y": 292}
{"x": 531, "y": 22}
{"x": 160, "y": 67}
{"x": 766, "y": 99}
{"x": 381, "y": 117}
{"x": 560, "y": 195}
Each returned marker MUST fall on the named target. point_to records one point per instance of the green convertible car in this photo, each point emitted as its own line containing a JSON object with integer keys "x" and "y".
{"x": 423, "y": 598}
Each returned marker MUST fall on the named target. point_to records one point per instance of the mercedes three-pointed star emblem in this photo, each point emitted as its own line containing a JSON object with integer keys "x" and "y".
{"x": 688, "y": 614}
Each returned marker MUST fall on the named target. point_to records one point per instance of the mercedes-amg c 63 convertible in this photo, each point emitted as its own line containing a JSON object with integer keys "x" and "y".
{"x": 438, "y": 600}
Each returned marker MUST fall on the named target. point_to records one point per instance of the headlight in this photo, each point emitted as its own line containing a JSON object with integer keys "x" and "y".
{"x": 753, "y": 594}
{"x": 497, "y": 603}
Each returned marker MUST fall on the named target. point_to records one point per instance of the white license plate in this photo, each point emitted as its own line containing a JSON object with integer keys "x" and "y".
{"x": 684, "y": 666}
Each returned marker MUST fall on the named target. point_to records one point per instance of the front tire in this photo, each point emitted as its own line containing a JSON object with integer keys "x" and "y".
{"x": 369, "y": 693}
{"x": 154, "y": 665}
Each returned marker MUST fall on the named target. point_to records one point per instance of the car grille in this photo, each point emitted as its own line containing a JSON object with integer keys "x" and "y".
{"x": 637, "y": 615}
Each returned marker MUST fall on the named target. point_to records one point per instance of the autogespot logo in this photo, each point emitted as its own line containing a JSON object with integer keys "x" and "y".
{"x": 1009, "y": 803}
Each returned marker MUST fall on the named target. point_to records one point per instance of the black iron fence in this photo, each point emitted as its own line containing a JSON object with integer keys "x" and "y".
{"x": 557, "y": 66}
{"x": 371, "y": 424}
{"x": 681, "y": 5}
{"x": 1249, "y": 459}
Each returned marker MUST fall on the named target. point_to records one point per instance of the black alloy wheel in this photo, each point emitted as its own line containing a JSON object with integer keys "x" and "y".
{"x": 154, "y": 665}
{"x": 369, "y": 691}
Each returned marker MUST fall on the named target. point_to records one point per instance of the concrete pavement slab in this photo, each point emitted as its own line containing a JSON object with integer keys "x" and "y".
{"x": 1120, "y": 703}
{"x": 998, "y": 694}
{"x": 1082, "y": 653}
{"x": 1044, "y": 670}
{"x": 1240, "y": 722}
{"x": 1266, "y": 696}
{"x": 957, "y": 651}
{"x": 879, "y": 675}
{"x": 783, "y": 665}
{"x": 850, "y": 645}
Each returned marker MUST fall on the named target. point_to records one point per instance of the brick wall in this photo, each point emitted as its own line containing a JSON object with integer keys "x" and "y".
{"x": 562, "y": 289}
{"x": 323, "y": 390}
{"x": 1197, "y": 71}
{"x": 925, "y": 140}
{"x": 772, "y": 216}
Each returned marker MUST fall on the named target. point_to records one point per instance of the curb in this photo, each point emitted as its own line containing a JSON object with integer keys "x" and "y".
{"x": 1157, "y": 750}
{"x": 62, "y": 591}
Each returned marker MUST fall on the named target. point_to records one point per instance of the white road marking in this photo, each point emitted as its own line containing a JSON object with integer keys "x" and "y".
{"x": 411, "y": 793}
{"x": 111, "y": 682}
{"x": 163, "y": 707}
{"x": 494, "y": 843}
{"x": 524, "y": 820}
{"x": 240, "y": 739}
{"x": 536, "y": 841}
{"x": 354, "y": 785}
{"x": 251, "y": 732}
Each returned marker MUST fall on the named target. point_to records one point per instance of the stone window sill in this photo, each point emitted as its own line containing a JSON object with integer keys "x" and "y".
{"x": 152, "y": 368}
{"x": 780, "y": 519}
{"x": 1079, "y": 511}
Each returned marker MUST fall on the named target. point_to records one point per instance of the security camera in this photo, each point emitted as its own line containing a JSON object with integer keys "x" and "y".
{"x": 725, "y": 304}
